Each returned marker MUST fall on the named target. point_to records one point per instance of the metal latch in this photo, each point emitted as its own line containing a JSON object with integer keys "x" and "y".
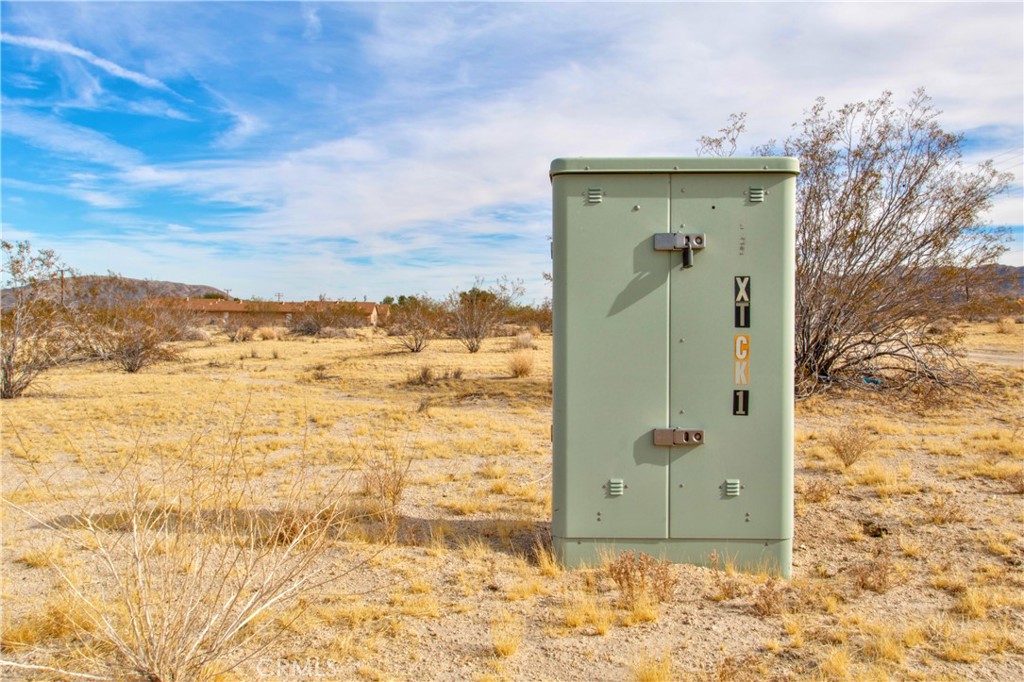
{"x": 673, "y": 437}
{"x": 677, "y": 241}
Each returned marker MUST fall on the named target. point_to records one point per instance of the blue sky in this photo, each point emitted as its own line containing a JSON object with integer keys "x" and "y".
{"x": 365, "y": 149}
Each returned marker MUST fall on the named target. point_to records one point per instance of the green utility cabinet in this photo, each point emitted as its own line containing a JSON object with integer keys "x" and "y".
{"x": 673, "y": 375}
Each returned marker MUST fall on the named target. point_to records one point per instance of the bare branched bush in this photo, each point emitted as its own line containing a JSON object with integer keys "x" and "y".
{"x": 850, "y": 443}
{"x": 190, "y": 567}
{"x": 414, "y": 321}
{"x": 887, "y": 239}
{"x": 34, "y": 327}
{"x": 640, "y": 576}
{"x": 384, "y": 481}
{"x": 473, "y": 315}
{"x": 820, "y": 490}
{"x": 769, "y": 598}
{"x": 317, "y": 316}
{"x": 117, "y": 322}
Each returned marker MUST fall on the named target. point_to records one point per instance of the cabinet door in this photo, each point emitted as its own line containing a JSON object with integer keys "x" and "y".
{"x": 731, "y": 360}
{"x": 611, "y": 345}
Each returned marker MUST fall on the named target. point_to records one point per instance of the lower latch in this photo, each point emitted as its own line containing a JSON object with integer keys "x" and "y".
{"x": 673, "y": 437}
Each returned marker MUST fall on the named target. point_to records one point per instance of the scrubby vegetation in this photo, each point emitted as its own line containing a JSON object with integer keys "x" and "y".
{"x": 427, "y": 473}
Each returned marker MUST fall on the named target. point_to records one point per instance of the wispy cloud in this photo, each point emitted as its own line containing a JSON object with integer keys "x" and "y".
{"x": 311, "y": 18}
{"x": 67, "y": 139}
{"x": 59, "y": 47}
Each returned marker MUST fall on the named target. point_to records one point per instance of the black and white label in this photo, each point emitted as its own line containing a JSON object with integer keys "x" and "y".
{"x": 741, "y": 288}
{"x": 741, "y": 403}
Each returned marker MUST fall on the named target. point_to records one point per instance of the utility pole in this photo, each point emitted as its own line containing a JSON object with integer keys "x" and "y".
{"x": 62, "y": 287}
{"x": 279, "y": 296}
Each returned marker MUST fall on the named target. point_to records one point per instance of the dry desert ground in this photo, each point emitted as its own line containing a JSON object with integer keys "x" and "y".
{"x": 384, "y": 515}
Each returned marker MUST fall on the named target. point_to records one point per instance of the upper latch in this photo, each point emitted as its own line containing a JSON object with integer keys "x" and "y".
{"x": 677, "y": 241}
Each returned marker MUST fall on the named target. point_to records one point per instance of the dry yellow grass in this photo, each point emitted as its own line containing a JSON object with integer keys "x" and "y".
{"x": 471, "y": 559}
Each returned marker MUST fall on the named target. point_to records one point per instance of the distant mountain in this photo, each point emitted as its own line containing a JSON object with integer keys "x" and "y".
{"x": 1011, "y": 277}
{"x": 136, "y": 289}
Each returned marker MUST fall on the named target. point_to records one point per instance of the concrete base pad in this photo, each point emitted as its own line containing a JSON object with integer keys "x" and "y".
{"x": 753, "y": 556}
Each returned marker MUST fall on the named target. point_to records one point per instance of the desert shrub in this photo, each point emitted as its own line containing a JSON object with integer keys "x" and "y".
{"x": 138, "y": 343}
{"x": 424, "y": 377}
{"x": 726, "y": 583}
{"x": 414, "y": 321}
{"x": 474, "y": 314}
{"x": 769, "y": 598}
{"x": 820, "y": 490}
{"x": 849, "y": 443}
{"x": 886, "y": 240}
{"x": 35, "y": 330}
{"x": 190, "y": 568}
{"x": 640, "y": 576}
{"x": 520, "y": 364}
{"x": 876, "y": 574}
{"x": 116, "y": 321}
{"x": 243, "y": 334}
{"x": 384, "y": 481}
{"x": 943, "y": 509}
{"x": 267, "y": 333}
{"x": 315, "y": 316}
{"x": 941, "y": 326}
{"x": 523, "y": 341}
{"x": 428, "y": 376}
{"x": 537, "y": 318}
{"x": 1006, "y": 325}
{"x": 196, "y": 334}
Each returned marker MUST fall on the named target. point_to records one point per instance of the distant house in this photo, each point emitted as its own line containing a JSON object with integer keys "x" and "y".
{"x": 272, "y": 313}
